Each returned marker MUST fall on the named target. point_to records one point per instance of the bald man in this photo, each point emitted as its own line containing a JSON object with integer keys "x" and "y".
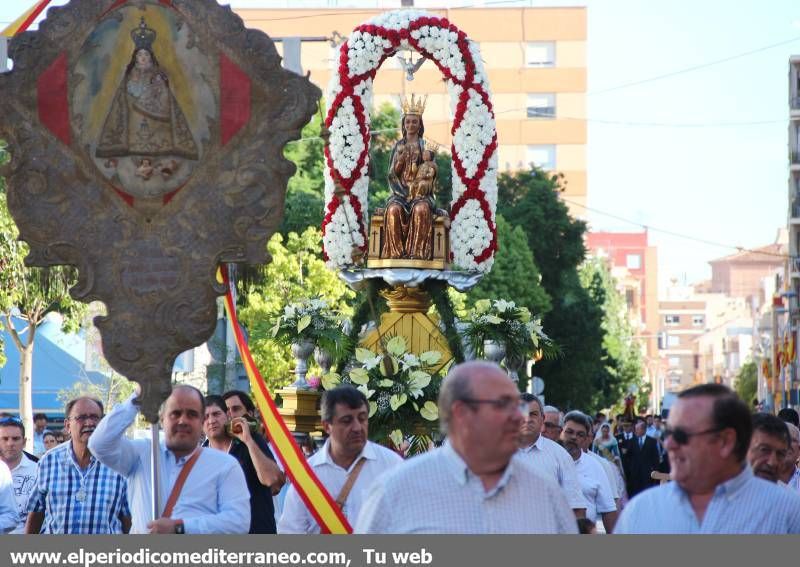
{"x": 474, "y": 483}
{"x": 214, "y": 498}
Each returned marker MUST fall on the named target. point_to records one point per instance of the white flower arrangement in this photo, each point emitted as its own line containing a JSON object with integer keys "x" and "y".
{"x": 474, "y": 150}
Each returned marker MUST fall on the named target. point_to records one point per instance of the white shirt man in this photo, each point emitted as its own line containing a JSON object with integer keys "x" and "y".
{"x": 23, "y": 469}
{"x": 713, "y": 490}
{"x": 214, "y": 498}
{"x": 477, "y": 483}
{"x": 345, "y": 414}
{"x": 548, "y": 457}
{"x": 591, "y": 474}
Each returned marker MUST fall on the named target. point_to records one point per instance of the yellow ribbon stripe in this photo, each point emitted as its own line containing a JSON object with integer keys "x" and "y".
{"x": 25, "y": 20}
{"x": 316, "y": 498}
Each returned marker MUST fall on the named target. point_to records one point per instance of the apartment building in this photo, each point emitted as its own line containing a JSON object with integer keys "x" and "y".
{"x": 704, "y": 337}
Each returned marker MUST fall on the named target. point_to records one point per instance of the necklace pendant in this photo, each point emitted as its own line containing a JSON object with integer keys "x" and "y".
{"x": 80, "y": 496}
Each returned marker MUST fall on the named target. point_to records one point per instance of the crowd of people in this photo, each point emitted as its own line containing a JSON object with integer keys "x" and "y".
{"x": 508, "y": 464}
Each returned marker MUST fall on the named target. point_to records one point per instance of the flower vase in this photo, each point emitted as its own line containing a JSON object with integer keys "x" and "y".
{"x": 324, "y": 359}
{"x": 494, "y": 351}
{"x": 513, "y": 365}
{"x": 301, "y": 351}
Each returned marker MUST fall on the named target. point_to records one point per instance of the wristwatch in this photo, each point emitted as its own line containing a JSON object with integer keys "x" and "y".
{"x": 179, "y": 527}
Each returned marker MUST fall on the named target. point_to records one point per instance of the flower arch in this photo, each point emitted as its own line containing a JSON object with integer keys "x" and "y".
{"x": 473, "y": 233}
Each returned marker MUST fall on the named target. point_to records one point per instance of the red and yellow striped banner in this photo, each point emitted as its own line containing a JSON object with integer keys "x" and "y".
{"x": 25, "y": 20}
{"x": 318, "y": 500}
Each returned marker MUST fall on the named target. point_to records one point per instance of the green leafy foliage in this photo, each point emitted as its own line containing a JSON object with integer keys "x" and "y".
{"x": 504, "y": 322}
{"x": 622, "y": 351}
{"x": 747, "y": 382}
{"x": 514, "y": 274}
{"x": 296, "y": 272}
{"x": 529, "y": 200}
{"x": 304, "y": 194}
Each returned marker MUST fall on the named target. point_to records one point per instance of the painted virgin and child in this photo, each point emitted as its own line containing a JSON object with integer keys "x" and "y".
{"x": 145, "y": 120}
{"x": 410, "y": 210}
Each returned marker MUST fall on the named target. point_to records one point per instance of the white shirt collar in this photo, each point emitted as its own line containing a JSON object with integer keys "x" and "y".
{"x": 368, "y": 452}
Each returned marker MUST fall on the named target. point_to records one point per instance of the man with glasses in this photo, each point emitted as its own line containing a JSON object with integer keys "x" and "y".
{"x": 475, "y": 483}
{"x": 594, "y": 481}
{"x": 23, "y": 468}
{"x": 713, "y": 491}
{"x": 553, "y": 423}
{"x": 75, "y": 493}
{"x": 548, "y": 457}
{"x": 768, "y": 446}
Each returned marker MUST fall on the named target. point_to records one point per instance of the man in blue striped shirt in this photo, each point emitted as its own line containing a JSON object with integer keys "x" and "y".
{"x": 74, "y": 493}
{"x": 714, "y": 490}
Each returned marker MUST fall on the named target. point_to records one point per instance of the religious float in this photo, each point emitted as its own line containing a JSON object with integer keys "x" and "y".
{"x": 410, "y": 249}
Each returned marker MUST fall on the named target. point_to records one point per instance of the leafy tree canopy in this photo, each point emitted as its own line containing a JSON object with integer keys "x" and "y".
{"x": 514, "y": 276}
{"x": 623, "y": 354}
{"x": 296, "y": 272}
{"x": 747, "y": 382}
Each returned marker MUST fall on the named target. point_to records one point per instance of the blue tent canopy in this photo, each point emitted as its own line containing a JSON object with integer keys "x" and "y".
{"x": 58, "y": 363}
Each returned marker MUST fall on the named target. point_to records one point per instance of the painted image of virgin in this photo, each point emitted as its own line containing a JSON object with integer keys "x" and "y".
{"x": 145, "y": 119}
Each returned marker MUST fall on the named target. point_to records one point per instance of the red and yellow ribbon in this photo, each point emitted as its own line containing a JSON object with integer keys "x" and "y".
{"x": 316, "y": 498}
{"x": 25, "y": 20}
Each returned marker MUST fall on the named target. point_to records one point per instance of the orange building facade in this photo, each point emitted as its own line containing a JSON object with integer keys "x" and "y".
{"x": 535, "y": 58}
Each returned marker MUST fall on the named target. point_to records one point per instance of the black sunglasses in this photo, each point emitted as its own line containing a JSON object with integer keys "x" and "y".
{"x": 682, "y": 437}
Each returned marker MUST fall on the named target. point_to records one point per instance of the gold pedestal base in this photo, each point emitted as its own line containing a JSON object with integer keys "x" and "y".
{"x": 408, "y": 318}
{"x": 300, "y": 410}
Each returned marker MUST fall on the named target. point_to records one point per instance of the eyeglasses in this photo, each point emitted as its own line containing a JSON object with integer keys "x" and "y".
{"x": 10, "y": 420}
{"x": 83, "y": 418}
{"x": 682, "y": 437}
{"x": 506, "y": 404}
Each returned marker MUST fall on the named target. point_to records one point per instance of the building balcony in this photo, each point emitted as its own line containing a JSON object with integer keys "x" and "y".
{"x": 794, "y": 103}
{"x": 794, "y": 158}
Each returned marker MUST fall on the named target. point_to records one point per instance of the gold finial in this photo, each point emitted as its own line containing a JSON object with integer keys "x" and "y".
{"x": 416, "y": 106}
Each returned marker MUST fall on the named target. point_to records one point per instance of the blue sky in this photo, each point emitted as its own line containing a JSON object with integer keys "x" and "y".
{"x": 722, "y": 184}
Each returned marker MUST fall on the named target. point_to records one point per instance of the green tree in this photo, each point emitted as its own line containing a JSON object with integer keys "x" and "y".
{"x": 747, "y": 382}
{"x": 529, "y": 200}
{"x": 34, "y": 292}
{"x": 305, "y": 192}
{"x": 622, "y": 352}
{"x": 506, "y": 280}
{"x": 295, "y": 273}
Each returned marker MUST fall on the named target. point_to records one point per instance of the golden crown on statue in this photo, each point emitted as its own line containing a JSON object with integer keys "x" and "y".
{"x": 415, "y": 106}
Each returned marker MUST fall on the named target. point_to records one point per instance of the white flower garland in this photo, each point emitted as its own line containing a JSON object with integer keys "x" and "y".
{"x": 473, "y": 237}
